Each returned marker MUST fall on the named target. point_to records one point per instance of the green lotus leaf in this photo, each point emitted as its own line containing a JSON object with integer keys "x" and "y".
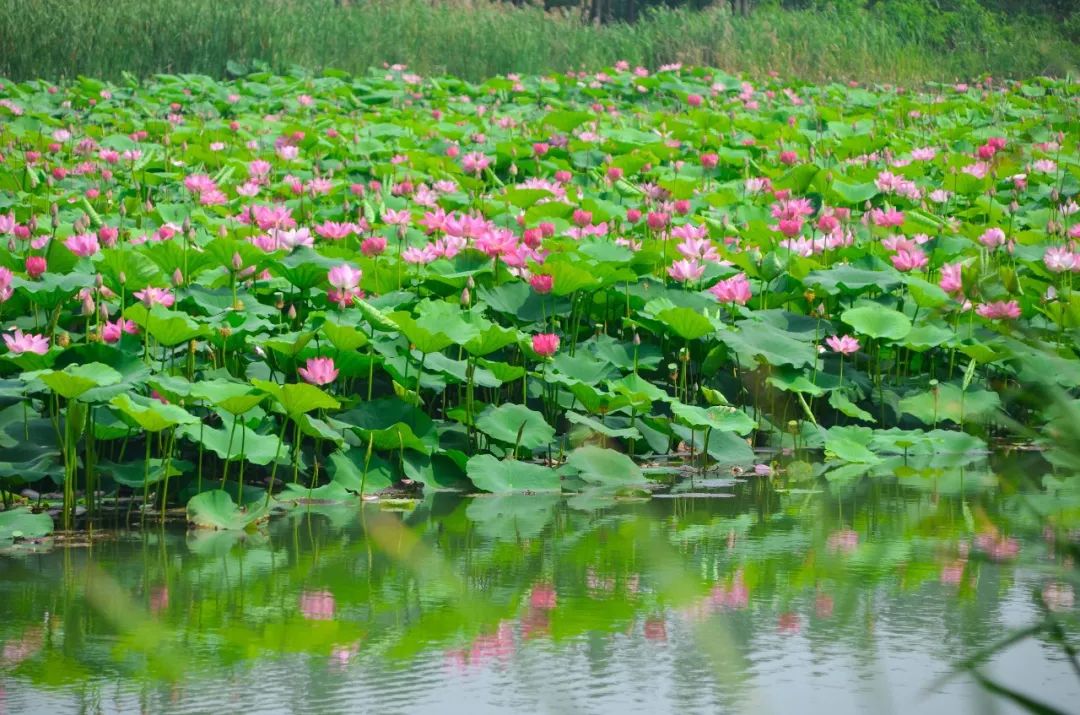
{"x": 510, "y": 475}
{"x": 74, "y": 380}
{"x": 216, "y": 509}
{"x": 506, "y": 422}
{"x": 597, "y": 465}
{"x": 878, "y": 322}
{"x": 150, "y": 414}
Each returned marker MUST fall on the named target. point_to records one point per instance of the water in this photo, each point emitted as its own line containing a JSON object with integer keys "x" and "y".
{"x": 851, "y": 597}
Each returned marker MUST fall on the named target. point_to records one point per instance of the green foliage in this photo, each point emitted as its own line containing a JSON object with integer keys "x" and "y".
{"x": 891, "y": 40}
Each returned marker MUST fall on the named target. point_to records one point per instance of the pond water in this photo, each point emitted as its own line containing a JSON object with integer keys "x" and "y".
{"x": 723, "y": 596}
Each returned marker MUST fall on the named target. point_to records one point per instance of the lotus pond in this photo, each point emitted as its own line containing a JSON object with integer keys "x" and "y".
{"x": 227, "y": 302}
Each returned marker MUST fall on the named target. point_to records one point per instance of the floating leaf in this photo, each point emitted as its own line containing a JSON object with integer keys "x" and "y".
{"x": 597, "y": 465}
{"x": 216, "y": 510}
{"x": 21, "y": 523}
{"x": 510, "y": 475}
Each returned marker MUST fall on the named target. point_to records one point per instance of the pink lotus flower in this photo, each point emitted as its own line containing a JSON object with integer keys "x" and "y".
{"x": 19, "y": 342}
{"x": 909, "y": 259}
{"x": 845, "y": 344}
{"x": 419, "y": 256}
{"x": 545, "y": 344}
{"x": 268, "y": 217}
{"x": 151, "y": 296}
{"x": 951, "y": 281}
{"x": 344, "y": 277}
{"x": 657, "y": 220}
{"x": 35, "y": 266}
{"x": 113, "y": 331}
{"x": 6, "y": 290}
{"x": 335, "y": 231}
{"x": 475, "y": 162}
{"x": 999, "y": 310}
{"x": 1059, "y": 259}
{"x": 373, "y": 246}
{"x": 319, "y": 371}
{"x": 83, "y": 244}
{"x": 732, "y": 290}
{"x": 992, "y": 238}
{"x": 890, "y": 218}
{"x": 688, "y": 269}
{"x": 542, "y": 284}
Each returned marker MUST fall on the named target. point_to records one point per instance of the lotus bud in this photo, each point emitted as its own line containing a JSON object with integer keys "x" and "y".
{"x": 465, "y": 297}
{"x": 637, "y": 339}
{"x": 279, "y": 300}
{"x": 222, "y": 231}
{"x": 292, "y": 312}
{"x": 237, "y": 261}
{"x": 123, "y": 278}
{"x": 186, "y": 226}
{"x": 178, "y": 278}
{"x": 470, "y": 283}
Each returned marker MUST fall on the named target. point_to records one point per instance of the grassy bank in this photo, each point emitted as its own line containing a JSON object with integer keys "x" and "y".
{"x": 63, "y": 38}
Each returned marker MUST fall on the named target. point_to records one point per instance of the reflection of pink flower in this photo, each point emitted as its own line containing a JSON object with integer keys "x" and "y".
{"x": 996, "y": 546}
{"x": 655, "y": 629}
{"x": 159, "y": 599}
{"x": 340, "y": 655}
{"x": 823, "y": 605}
{"x": 843, "y": 541}
{"x": 543, "y": 596}
{"x": 734, "y": 597}
{"x": 317, "y": 605}
{"x": 789, "y": 622}
{"x": 952, "y": 573}
{"x": 1058, "y": 596}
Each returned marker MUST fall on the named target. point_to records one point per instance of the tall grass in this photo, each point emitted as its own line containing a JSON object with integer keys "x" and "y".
{"x": 64, "y": 38}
